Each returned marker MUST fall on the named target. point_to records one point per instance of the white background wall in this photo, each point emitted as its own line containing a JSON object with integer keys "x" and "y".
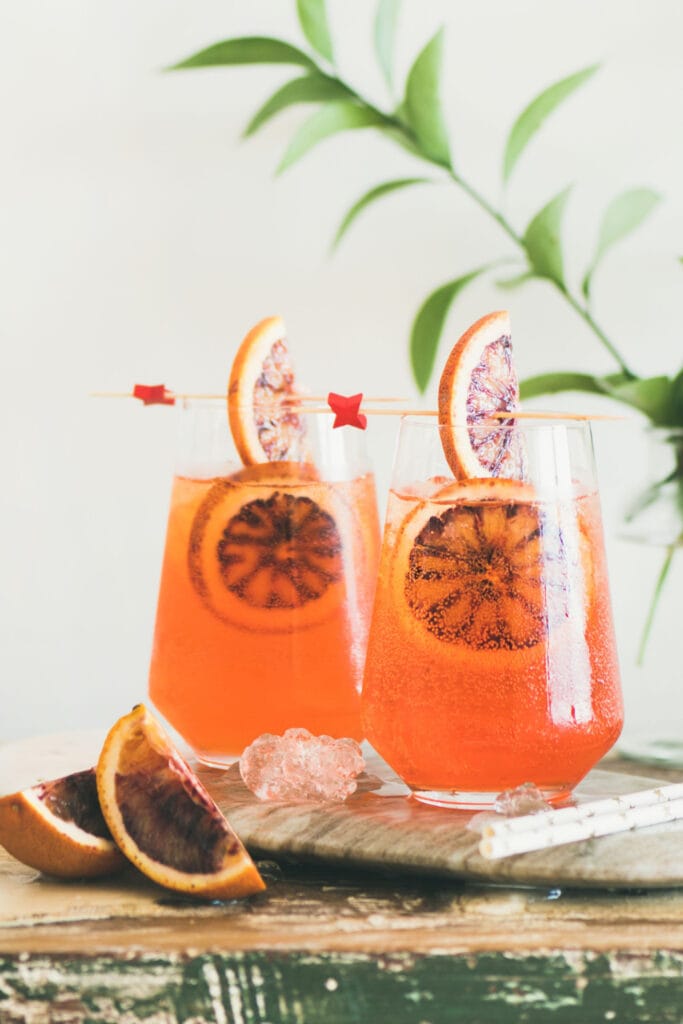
{"x": 140, "y": 239}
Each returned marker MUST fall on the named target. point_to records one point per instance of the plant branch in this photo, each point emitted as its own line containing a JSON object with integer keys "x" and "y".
{"x": 586, "y": 315}
{"x": 398, "y": 124}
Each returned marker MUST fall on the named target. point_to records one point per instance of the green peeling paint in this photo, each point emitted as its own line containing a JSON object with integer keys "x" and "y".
{"x": 335, "y": 988}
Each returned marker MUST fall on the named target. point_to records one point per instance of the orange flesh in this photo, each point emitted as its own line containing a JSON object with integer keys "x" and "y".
{"x": 225, "y": 666}
{"x": 459, "y": 702}
{"x": 493, "y": 387}
{"x": 168, "y": 815}
{"x": 281, "y": 431}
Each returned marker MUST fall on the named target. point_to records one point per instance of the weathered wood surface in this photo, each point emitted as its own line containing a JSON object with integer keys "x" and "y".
{"x": 329, "y": 945}
{"x": 342, "y": 988}
{"x": 382, "y": 831}
{"x": 318, "y": 948}
{"x": 381, "y": 828}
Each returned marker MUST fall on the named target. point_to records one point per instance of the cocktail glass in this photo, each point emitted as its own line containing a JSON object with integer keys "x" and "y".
{"x": 266, "y": 587}
{"x": 491, "y": 659}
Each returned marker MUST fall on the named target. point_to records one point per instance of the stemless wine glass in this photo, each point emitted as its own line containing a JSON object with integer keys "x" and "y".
{"x": 266, "y": 587}
{"x": 491, "y": 659}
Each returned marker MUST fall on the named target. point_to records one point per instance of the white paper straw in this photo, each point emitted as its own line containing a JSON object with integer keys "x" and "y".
{"x": 571, "y": 824}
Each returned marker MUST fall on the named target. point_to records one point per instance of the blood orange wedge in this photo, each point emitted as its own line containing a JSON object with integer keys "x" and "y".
{"x": 162, "y": 817}
{"x": 478, "y": 380}
{"x": 484, "y": 565}
{"x": 265, "y": 426}
{"x": 266, "y": 554}
{"x": 57, "y": 827}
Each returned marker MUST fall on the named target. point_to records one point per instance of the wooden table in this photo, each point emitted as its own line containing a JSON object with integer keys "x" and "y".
{"x": 327, "y": 945}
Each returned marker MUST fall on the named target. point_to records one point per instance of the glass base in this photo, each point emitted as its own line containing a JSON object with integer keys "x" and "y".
{"x": 218, "y": 761}
{"x": 658, "y": 753}
{"x": 458, "y": 799}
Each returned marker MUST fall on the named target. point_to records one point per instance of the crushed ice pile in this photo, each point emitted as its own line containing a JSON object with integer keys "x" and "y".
{"x": 301, "y": 766}
{"x": 511, "y": 803}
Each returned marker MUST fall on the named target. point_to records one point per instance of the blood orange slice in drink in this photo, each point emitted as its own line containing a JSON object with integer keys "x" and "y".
{"x": 264, "y": 422}
{"x": 478, "y": 383}
{"x": 57, "y": 827}
{"x": 485, "y": 565}
{"x": 163, "y": 819}
{"x": 266, "y": 554}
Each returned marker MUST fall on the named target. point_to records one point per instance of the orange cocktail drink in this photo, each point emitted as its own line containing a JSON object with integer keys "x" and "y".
{"x": 266, "y": 590}
{"x": 491, "y": 659}
{"x": 270, "y": 564}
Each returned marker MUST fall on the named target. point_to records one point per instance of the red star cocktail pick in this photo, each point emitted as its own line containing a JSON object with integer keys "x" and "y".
{"x": 153, "y": 394}
{"x": 346, "y": 410}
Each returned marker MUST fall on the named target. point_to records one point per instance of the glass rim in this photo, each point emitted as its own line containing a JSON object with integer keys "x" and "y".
{"x": 430, "y": 421}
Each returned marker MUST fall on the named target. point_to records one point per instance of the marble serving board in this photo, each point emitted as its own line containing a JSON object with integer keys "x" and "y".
{"x": 381, "y": 828}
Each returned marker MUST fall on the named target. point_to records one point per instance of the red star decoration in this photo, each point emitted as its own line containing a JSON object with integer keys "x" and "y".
{"x": 153, "y": 394}
{"x": 346, "y": 410}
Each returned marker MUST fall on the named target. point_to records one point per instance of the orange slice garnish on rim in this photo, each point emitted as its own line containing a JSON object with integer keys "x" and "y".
{"x": 265, "y": 425}
{"x": 266, "y": 553}
{"x": 57, "y": 827}
{"x": 162, "y": 817}
{"x": 485, "y": 566}
{"x": 478, "y": 380}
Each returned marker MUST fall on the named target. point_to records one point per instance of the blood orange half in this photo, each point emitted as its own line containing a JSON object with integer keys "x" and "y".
{"x": 57, "y": 827}
{"x": 478, "y": 383}
{"x": 163, "y": 819}
{"x": 265, "y": 426}
{"x": 266, "y": 553}
{"x": 483, "y": 564}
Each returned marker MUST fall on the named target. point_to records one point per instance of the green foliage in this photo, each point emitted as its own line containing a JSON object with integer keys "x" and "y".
{"x": 247, "y": 50}
{"x": 659, "y": 398}
{"x": 422, "y": 103}
{"x": 542, "y": 240}
{"x": 312, "y": 88}
{"x": 428, "y": 326}
{"x": 533, "y": 116}
{"x": 418, "y": 126}
{"x": 313, "y": 20}
{"x": 655, "y": 397}
{"x": 510, "y": 283}
{"x": 623, "y": 215}
{"x": 552, "y": 383}
{"x": 337, "y": 116}
{"x": 369, "y": 197}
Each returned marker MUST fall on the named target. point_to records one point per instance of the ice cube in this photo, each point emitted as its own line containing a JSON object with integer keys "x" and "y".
{"x": 299, "y": 766}
{"x": 524, "y": 799}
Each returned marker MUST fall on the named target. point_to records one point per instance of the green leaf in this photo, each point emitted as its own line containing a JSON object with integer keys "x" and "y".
{"x": 653, "y": 396}
{"x": 623, "y": 215}
{"x": 552, "y": 383}
{"x": 246, "y": 50}
{"x": 533, "y": 116}
{"x": 370, "y": 197}
{"x": 542, "y": 240}
{"x": 428, "y": 326}
{"x": 401, "y": 137}
{"x": 338, "y": 116}
{"x": 313, "y": 88}
{"x": 313, "y": 19}
{"x": 510, "y": 283}
{"x": 423, "y": 102}
{"x": 386, "y": 22}
{"x": 677, "y": 396}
